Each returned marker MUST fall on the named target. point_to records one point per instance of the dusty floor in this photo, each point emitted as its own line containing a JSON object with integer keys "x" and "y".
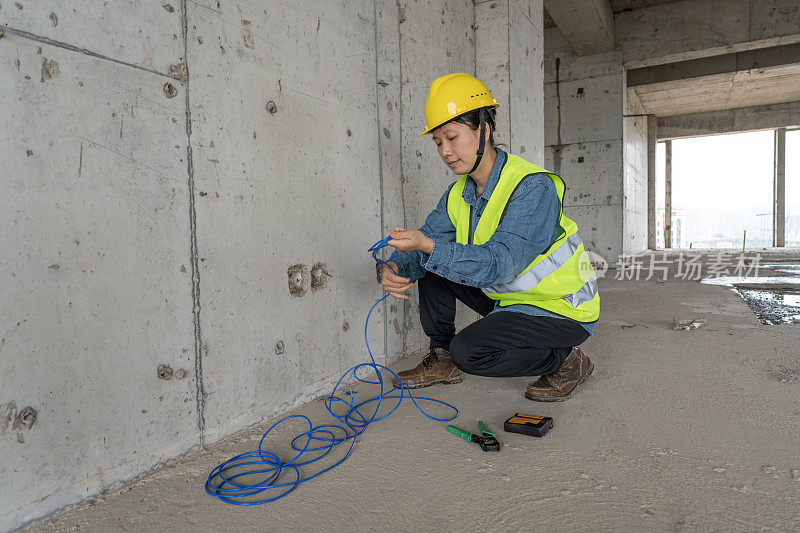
{"x": 675, "y": 430}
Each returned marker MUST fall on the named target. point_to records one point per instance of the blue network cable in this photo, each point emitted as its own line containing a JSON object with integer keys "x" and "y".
{"x": 241, "y": 479}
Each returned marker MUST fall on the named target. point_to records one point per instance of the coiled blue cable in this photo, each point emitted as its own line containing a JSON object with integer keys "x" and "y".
{"x": 242, "y": 479}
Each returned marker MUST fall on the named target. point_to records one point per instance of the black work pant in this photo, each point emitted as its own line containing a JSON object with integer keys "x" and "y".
{"x": 503, "y": 344}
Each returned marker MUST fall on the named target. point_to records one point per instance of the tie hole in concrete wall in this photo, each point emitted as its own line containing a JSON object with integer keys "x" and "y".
{"x": 170, "y": 91}
{"x": 27, "y": 417}
{"x": 298, "y": 279}
{"x": 165, "y": 372}
{"x": 319, "y": 276}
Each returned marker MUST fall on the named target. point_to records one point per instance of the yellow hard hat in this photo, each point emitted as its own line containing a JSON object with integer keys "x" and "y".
{"x": 453, "y": 95}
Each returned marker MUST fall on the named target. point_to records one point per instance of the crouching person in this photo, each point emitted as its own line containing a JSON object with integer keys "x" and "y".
{"x": 499, "y": 242}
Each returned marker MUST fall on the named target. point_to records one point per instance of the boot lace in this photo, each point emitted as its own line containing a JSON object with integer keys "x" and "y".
{"x": 430, "y": 359}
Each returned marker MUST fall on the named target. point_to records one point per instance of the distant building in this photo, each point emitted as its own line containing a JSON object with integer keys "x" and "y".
{"x": 679, "y": 229}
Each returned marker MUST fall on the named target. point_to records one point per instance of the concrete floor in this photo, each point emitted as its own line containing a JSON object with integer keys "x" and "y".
{"x": 675, "y": 430}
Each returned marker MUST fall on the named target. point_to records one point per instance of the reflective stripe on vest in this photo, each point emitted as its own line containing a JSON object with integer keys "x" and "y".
{"x": 584, "y": 294}
{"x": 561, "y": 279}
{"x": 531, "y": 278}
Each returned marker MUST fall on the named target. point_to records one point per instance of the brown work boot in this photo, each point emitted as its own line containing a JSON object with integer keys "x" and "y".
{"x": 559, "y": 385}
{"x": 436, "y": 367}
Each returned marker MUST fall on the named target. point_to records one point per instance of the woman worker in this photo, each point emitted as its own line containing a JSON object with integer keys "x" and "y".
{"x": 499, "y": 242}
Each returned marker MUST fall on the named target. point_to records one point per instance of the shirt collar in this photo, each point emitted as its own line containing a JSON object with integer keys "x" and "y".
{"x": 470, "y": 187}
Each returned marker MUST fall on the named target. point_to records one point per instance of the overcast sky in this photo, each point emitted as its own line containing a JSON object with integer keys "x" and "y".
{"x": 729, "y": 172}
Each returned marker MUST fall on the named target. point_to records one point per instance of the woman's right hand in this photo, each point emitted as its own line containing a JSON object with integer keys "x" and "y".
{"x": 394, "y": 284}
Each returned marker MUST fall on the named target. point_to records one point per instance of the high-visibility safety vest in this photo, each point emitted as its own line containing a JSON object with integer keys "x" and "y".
{"x": 561, "y": 279}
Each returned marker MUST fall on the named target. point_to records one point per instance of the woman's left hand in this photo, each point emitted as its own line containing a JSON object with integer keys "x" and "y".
{"x": 407, "y": 240}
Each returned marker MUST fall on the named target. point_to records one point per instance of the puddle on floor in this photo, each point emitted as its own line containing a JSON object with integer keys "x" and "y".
{"x": 785, "y": 374}
{"x": 773, "y": 299}
{"x": 778, "y": 305}
{"x": 733, "y": 281}
{"x": 788, "y": 268}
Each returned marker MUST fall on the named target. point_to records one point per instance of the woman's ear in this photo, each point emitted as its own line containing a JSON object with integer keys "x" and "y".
{"x": 488, "y": 130}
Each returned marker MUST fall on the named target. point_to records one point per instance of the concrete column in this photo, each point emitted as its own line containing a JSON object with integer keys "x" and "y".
{"x": 668, "y": 195}
{"x": 651, "y": 182}
{"x": 509, "y": 44}
{"x": 779, "y": 196}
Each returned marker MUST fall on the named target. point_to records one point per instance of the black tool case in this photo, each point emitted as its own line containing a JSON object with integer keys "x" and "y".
{"x": 535, "y": 426}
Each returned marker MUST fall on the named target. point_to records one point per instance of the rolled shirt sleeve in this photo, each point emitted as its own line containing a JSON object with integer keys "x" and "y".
{"x": 438, "y": 226}
{"x": 409, "y": 265}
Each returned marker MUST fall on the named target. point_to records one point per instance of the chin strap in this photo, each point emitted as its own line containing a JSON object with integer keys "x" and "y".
{"x": 482, "y": 145}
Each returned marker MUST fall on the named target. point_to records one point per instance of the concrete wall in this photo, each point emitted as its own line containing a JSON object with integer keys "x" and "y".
{"x": 526, "y": 79}
{"x": 165, "y": 164}
{"x": 583, "y": 134}
{"x": 510, "y": 42}
{"x": 436, "y": 38}
{"x": 95, "y": 263}
{"x": 299, "y": 186}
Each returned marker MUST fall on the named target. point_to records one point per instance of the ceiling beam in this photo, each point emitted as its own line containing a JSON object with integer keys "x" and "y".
{"x": 706, "y": 66}
{"x": 729, "y": 90}
{"x": 588, "y": 25}
{"x": 768, "y": 117}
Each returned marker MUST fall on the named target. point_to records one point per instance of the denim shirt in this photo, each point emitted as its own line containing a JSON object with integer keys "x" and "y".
{"x": 527, "y": 229}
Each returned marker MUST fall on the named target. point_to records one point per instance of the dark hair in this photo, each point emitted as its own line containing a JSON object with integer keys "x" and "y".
{"x": 473, "y": 120}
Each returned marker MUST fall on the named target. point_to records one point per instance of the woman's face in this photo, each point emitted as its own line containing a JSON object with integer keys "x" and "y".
{"x": 458, "y": 145}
